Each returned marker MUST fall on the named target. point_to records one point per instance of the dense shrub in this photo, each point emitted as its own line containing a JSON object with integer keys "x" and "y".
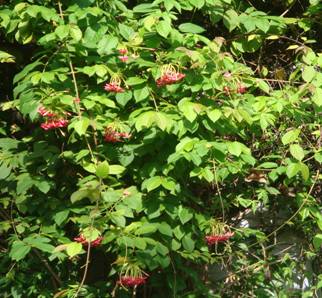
{"x": 138, "y": 139}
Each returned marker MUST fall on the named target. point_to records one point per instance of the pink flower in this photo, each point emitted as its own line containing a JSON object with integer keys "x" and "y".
{"x": 112, "y": 136}
{"x": 213, "y": 239}
{"x": 77, "y": 100}
{"x": 241, "y": 89}
{"x": 54, "y": 124}
{"x": 113, "y": 87}
{"x": 81, "y": 239}
{"x": 131, "y": 281}
{"x": 45, "y": 113}
{"x": 169, "y": 78}
{"x": 123, "y": 58}
{"x": 123, "y": 51}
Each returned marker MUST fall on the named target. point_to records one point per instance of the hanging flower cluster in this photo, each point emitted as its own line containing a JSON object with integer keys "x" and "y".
{"x": 130, "y": 281}
{"x": 132, "y": 275}
{"x": 123, "y": 56}
{"x": 213, "y": 239}
{"x": 52, "y": 121}
{"x": 81, "y": 239}
{"x": 114, "y": 85}
{"x": 169, "y": 76}
{"x": 114, "y": 136}
{"x": 220, "y": 232}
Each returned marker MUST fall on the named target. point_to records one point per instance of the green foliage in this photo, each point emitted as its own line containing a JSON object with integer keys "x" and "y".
{"x": 148, "y": 169}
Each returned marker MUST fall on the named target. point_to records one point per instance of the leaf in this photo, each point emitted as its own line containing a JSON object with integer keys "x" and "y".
{"x": 308, "y": 73}
{"x": 116, "y": 169}
{"x": 79, "y": 195}
{"x": 184, "y": 214}
{"x": 141, "y": 94}
{"x": 263, "y": 86}
{"x": 4, "y": 171}
{"x": 188, "y": 243}
{"x": 191, "y": 28}
{"x": 62, "y": 31}
{"x": 81, "y": 126}
{"x": 268, "y": 165}
{"x": 290, "y": 136}
{"x": 152, "y": 183}
{"x": 214, "y": 115}
{"x": 297, "y": 151}
{"x": 231, "y": 20}
{"x": 73, "y": 249}
{"x": 107, "y": 44}
{"x": 234, "y": 148}
{"x": 305, "y": 171}
{"x": 163, "y": 28}
{"x": 317, "y": 242}
{"x": 19, "y": 250}
{"x": 102, "y": 170}
{"x": 75, "y": 33}
{"x": 61, "y": 216}
{"x": 135, "y": 81}
{"x": 140, "y": 243}
{"x": 126, "y": 31}
{"x": 292, "y": 169}
{"x": 6, "y": 57}
{"x": 165, "y": 229}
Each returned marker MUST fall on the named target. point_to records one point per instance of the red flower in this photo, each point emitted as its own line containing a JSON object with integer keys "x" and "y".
{"x": 227, "y": 90}
{"x": 81, "y": 239}
{"x": 112, "y": 136}
{"x": 113, "y": 87}
{"x": 131, "y": 281}
{"x": 169, "y": 78}
{"x": 123, "y": 58}
{"x": 241, "y": 89}
{"x": 54, "y": 124}
{"x": 45, "y": 113}
{"x": 213, "y": 239}
{"x": 122, "y": 51}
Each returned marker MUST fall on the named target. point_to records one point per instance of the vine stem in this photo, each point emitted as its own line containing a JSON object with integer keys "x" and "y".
{"x": 88, "y": 254}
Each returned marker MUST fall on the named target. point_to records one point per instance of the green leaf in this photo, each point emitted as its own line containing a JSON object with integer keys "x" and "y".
{"x": 317, "y": 242}
{"x": 62, "y": 31}
{"x": 61, "y": 216}
{"x": 126, "y": 31}
{"x": 135, "y": 81}
{"x": 140, "y": 243}
{"x": 293, "y": 169}
{"x": 102, "y": 170}
{"x": 214, "y": 115}
{"x": 81, "y": 126}
{"x": 234, "y": 148}
{"x": 163, "y": 28}
{"x": 290, "y": 136}
{"x": 268, "y": 165}
{"x": 79, "y": 195}
{"x": 191, "y": 28}
{"x": 188, "y": 243}
{"x": 116, "y": 169}
{"x": 107, "y": 45}
{"x": 19, "y": 250}
{"x": 141, "y": 94}
{"x": 4, "y": 171}
{"x": 297, "y": 151}
{"x": 75, "y": 33}
{"x": 165, "y": 229}
{"x": 73, "y": 249}
{"x": 263, "y": 86}
{"x": 152, "y": 183}
{"x": 305, "y": 171}
{"x": 231, "y": 20}
{"x": 308, "y": 73}
{"x": 184, "y": 214}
